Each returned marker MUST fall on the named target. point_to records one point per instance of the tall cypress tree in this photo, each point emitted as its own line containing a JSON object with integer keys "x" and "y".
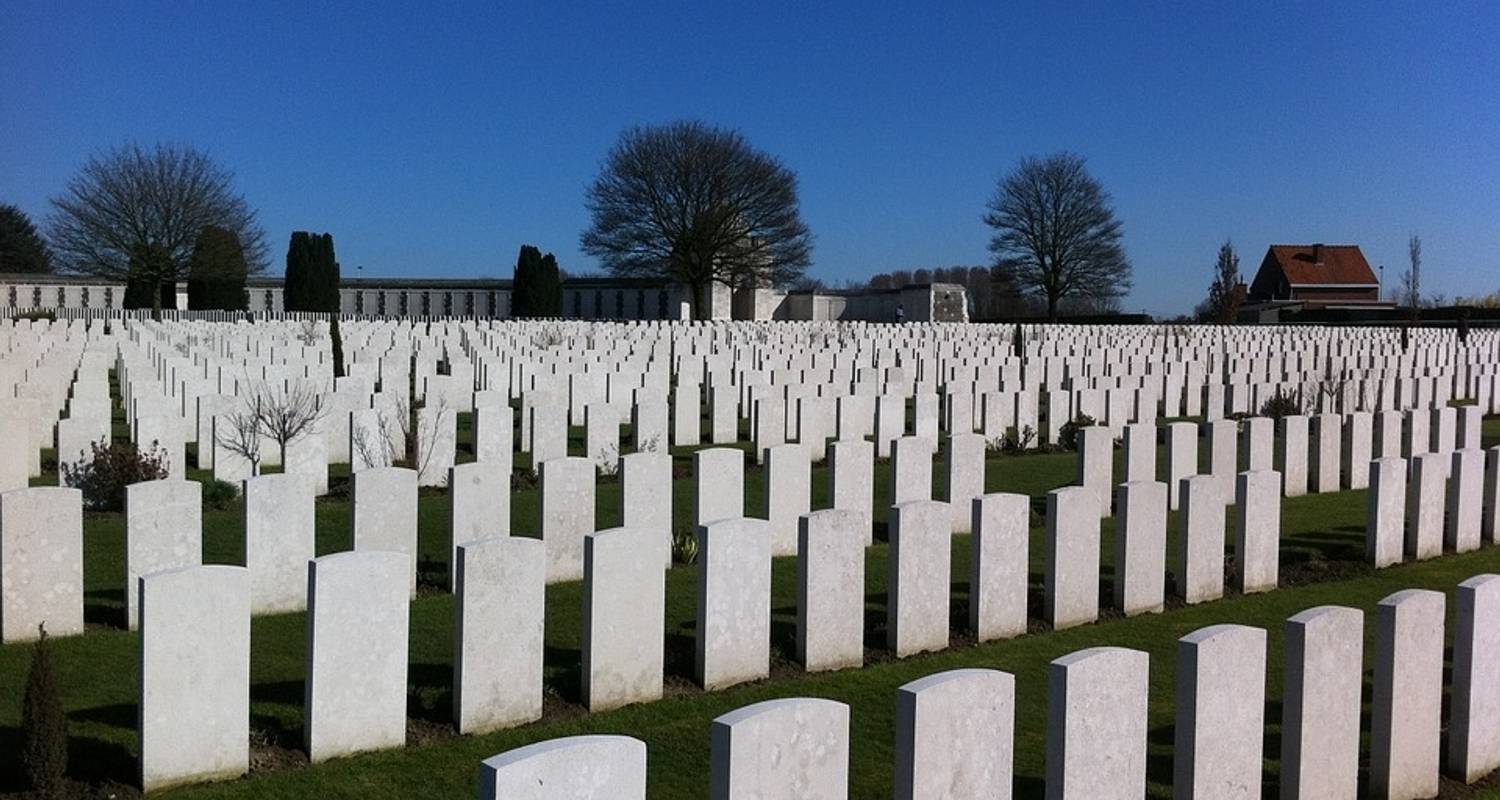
{"x": 298, "y": 265}
{"x": 523, "y": 297}
{"x": 44, "y": 726}
{"x": 312, "y": 273}
{"x": 548, "y": 298}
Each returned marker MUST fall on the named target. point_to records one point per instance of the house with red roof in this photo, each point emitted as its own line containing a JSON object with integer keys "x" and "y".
{"x": 1314, "y": 276}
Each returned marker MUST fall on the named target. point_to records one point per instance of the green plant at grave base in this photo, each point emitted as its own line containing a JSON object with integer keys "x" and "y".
{"x": 1067, "y": 435}
{"x": 219, "y": 495}
{"x": 1281, "y": 404}
{"x": 684, "y": 548}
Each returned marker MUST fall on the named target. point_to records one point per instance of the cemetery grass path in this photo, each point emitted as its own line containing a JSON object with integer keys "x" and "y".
{"x": 1322, "y": 551}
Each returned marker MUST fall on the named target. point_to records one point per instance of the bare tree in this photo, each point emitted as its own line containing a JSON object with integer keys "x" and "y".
{"x": 698, "y": 205}
{"x": 288, "y": 414}
{"x": 239, "y": 432}
{"x": 387, "y": 444}
{"x": 423, "y": 444}
{"x": 1411, "y": 279}
{"x": 133, "y": 213}
{"x": 1056, "y": 234}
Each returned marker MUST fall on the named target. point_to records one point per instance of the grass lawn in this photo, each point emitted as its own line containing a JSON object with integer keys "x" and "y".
{"x": 1321, "y": 556}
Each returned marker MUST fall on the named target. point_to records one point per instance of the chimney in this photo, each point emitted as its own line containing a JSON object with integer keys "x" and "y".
{"x": 1318, "y": 253}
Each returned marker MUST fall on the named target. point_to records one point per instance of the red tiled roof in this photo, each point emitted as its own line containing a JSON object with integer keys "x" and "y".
{"x": 1304, "y": 264}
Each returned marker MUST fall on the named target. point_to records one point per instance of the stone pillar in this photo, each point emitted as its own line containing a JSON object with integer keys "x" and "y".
{"x": 1096, "y": 724}
{"x": 1387, "y": 434}
{"x": 911, "y": 470}
{"x": 954, "y": 736}
{"x": 1257, "y": 531}
{"x": 890, "y": 422}
{"x": 796, "y": 747}
{"x": 831, "y": 589}
{"x": 1417, "y": 433}
{"x": 194, "y": 675}
{"x": 1357, "y": 450}
{"x": 566, "y": 505}
{"x": 1424, "y": 505}
{"x": 787, "y": 495}
{"x": 646, "y": 497}
{"x": 998, "y": 565}
{"x": 1474, "y": 724}
{"x": 624, "y": 618}
{"x": 163, "y": 530}
{"x": 1407, "y": 704}
{"x": 1199, "y": 574}
{"x": 1223, "y": 459}
{"x": 498, "y": 612}
{"x": 1096, "y": 457}
{"x": 1320, "y": 709}
{"x": 478, "y": 503}
{"x": 593, "y": 767}
{"x": 1140, "y": 547}
{"x": 1293, "y": 451}
{"x": 724, "y": 423}
{"x": 734, "y": 602}
{"x": 1072, "y": 572}
{"x": 965, "y": 467}
{"x": 718, "y": 484}
{"x": 1327, "y": 431}
{"x": 494, "y": 437}
{"x": 1465, "y": 517}
{"x": 357, "y": 612}
{"x": 1182, "y": 458}
{"x": 687, "y": 419}
{"x": 1140, "y": 452}
{"x": 1386, "y": 519}
{"x": 920, "y": 577}
{"x": 1220, "y": 700}
{"x": 280, "y": 538}
{"x": 1258, "y": 441}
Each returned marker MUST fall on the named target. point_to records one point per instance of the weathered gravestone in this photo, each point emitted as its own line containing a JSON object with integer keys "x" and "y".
{"x": 498, "y": 612}
{"x": 624, "y": 618}
{"x": 194, "y": 675}
{"x": 356, "y": 653}
{"x": 797, "y": 747}
{"x": 41, "y": 563}
{"x": 163, "y": 530}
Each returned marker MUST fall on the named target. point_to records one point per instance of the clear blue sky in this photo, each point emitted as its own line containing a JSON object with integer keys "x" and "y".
{"x": 435, "y": 139}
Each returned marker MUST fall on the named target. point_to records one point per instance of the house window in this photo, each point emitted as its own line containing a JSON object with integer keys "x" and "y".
{"x": 469, "y": 303}
{"x": 359, "y": 302}
{"x": 447, "y": 304}
{"x": 380, "y": 303}
{"x": 661, "y": 305}
{"x": 83, "y": 296}
{"x": 619, "y": 304}
{"x": 36, "y": 297}
{"x": 578, "y": 304}
{"x": 109, "y": 296}
{"x": 62, "y": 298}
{"x": 494, "y": 297}
{"x": 269, "y": 302}
{"x": 405, "y": 303}
{"x": 598, "y": 304}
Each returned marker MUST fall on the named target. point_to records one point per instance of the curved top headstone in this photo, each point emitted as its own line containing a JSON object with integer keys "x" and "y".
{"x": 572, "y": 768}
